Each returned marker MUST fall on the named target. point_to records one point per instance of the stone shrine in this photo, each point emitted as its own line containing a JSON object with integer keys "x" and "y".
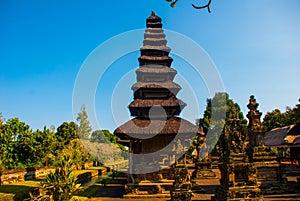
{"x": 203, "y": 165}
{"x": 270, "y": 174}
{"x": 238, "y": 176}
{"x": 182, "y": 186}
{"x": 156, "y": 136}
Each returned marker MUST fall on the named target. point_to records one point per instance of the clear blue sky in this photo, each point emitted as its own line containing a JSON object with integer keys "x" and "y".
{"x": 254, "y": 44}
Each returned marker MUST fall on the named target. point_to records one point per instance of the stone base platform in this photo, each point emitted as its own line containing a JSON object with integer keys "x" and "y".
{"x": 147, "y": 197}
{"x": 149, "y": 189}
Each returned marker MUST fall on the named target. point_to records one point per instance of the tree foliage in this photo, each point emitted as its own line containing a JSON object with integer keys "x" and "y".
{"x": 75, "y": 151}
{"x": 22, "y": 147}
{"x": 100, "y": 136}
{"x": 213, "y": 127}
{"x": 66, "y": 132}
{"x": 84, "y": 128}
{"x": 62, "y": 184}
{"x": 277, "y": 119}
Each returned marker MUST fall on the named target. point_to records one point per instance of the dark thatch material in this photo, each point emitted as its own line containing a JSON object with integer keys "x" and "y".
{"x": 153, "y": 21}
{"x": 155, "y": 85}
{"x": 154, "y": 30}
{"x": 159, "y": 48}
{"x": 150, "y": 35}
{"x": 155, "y": 42}
{"x": 171, "y": 102}
{"x": 153, "y": 17}
{"x": 171, "y": 126}
{"x": 155, "y": 58}
{"x": 157, "y": 69}
{"x": 156, "y": 39}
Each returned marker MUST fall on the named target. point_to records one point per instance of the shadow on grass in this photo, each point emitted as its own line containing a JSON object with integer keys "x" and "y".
{"x": 16, "y": 192}
{"x": 88, "y": 192}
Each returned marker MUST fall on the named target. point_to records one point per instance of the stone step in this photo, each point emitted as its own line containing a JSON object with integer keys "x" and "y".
{"x": 162, "y": 195}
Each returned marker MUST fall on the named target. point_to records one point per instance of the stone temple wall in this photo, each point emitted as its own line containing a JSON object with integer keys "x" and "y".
{"x": 25, "y": 174}
{"x": 20, "y": 175}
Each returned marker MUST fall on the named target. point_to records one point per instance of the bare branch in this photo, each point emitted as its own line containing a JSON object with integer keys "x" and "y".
{"x": 202, "y": 7}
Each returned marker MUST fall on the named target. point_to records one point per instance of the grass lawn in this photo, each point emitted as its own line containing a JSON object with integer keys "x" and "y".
{"x": 19, "y": 191}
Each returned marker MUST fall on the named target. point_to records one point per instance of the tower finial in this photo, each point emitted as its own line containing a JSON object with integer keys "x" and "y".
{"x": 152, "y": 13}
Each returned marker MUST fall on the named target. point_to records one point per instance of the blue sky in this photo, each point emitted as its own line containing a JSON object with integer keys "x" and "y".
{"x": 254, "y": 44}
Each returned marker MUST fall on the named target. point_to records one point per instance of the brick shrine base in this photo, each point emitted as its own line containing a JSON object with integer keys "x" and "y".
{"x": 115, "y": 192}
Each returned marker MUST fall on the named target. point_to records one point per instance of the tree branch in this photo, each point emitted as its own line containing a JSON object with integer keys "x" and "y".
{"x": 202, "y": 7}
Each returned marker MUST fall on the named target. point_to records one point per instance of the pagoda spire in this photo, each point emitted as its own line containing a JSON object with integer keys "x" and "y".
{"x": 155, "y": 85}
{"x": 254, "y": 114}
{"x": 255, "y": 127}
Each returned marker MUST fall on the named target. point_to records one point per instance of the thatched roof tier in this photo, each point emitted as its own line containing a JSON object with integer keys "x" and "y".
{"x": 154, "y": 30}
{"x": 155, "y": 42}
{"x": 154, "y": 25}
{"x": 163, "y": 60}
{"x": 156, "y": 69}
{"x": 155, "y": 58}
{"x": 153, "y": 18}
{"x": 154, "y": 66}
{"x": 170, "y": 102}
{"x": 156, "y": 74}
{"x": 153, "y": 21}
{"x": 170, "y": 85}
{"x": 138, "y": 127}
{"x": 155, "y": 50}
{"x": 151, "y": 35}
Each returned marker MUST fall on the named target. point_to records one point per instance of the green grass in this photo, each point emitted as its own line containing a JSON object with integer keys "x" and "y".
{"x": 17, "y": 191}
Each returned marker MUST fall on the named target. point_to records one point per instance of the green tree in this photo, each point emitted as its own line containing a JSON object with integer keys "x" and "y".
{"x": 274, "y": 119}
{"x": 47, "y": 145}
{"x": 66, "y": 132}
{"x": 6, "y": 146}
{"x": 99, "y": 136}
{"x": 20, "y": 134}
{"x": 218, "y": 107}
{"x": 277, "y": 119}
{"x": 76, "y": 151}
{"x": 84, "y": 128}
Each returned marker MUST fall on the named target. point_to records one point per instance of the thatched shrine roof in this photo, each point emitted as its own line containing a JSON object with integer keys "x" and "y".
{"x": 171, "y": 126}
{"x": 287, "y": 136}
{"x": 171, "y": 102}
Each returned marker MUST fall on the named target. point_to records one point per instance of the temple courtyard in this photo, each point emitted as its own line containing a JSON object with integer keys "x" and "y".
{"x": 115, "y": 191}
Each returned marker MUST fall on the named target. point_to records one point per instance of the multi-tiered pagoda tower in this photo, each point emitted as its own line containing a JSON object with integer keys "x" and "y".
{"x": 155, "y": 108}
